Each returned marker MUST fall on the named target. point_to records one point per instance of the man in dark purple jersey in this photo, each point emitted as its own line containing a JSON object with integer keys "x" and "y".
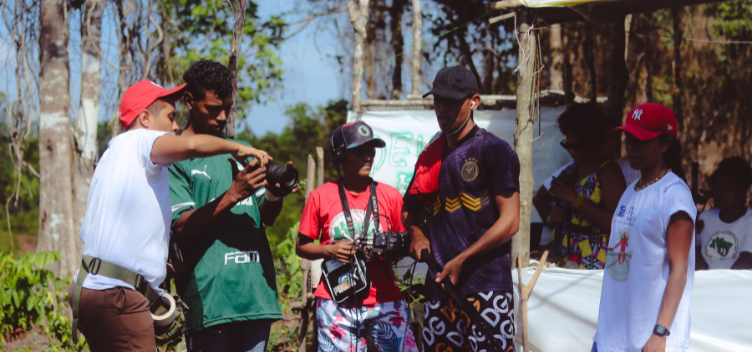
{"x": 466, "y": 185}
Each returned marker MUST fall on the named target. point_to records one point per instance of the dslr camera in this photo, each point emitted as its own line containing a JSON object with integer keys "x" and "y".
{"x": 390, "y": 246}
{"x": 286, "y": 177}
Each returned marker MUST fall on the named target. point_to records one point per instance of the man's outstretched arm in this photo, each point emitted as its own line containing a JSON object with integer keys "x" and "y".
{"x": 170, "y": 149}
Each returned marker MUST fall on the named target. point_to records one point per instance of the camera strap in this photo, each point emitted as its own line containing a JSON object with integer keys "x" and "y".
{"x": 350, "y": 282}
{"x": 372, "y": 209}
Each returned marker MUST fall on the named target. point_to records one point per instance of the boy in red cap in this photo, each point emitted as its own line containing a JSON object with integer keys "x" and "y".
{"x": 126, "y": 229}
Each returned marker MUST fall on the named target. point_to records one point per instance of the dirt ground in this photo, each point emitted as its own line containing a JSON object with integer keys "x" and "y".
{"x": 34, "y": 340}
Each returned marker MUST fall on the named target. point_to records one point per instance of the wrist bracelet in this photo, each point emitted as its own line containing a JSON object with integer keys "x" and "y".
{"x": 269, "y": 197}
{"x": 577, "y": 202}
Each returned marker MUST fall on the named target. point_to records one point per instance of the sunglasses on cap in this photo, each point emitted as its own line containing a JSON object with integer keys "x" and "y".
{"x": 573, "y": 146}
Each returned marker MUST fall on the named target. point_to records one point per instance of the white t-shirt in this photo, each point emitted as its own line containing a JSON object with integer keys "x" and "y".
{"x": 128, "y": 214}
{"x": 637, "y": 269}
{"x": 723, "y": 242}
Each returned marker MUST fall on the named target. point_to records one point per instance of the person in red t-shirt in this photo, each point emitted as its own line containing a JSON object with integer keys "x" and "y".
{"x": 383, "y": 314}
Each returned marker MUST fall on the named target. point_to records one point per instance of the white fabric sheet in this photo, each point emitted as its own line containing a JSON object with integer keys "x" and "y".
{"x": 563, "y": 310}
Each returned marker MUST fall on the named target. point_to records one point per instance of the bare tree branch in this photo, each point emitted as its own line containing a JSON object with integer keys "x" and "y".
{"x": 306, "y": 21}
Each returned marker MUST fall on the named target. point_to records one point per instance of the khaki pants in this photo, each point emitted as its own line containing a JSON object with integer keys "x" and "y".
{"x": 116, "y": 319}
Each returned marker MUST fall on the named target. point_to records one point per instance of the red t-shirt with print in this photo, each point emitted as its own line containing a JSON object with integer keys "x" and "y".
{"x": 323, "y": 215}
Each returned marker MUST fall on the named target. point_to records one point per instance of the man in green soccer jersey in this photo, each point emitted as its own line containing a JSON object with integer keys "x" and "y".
{"x": 218, "y": 218}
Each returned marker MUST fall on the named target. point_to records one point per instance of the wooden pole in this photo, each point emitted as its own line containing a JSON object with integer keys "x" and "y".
{"x": 523, "y": 134}
{"x": 525, "y": 291}
{"x": 305, "y": 264}
{"x": 320, "y": 154}
{"x": 503, "y": 5}
{"x": 359, "y": 18}
{"x": 237, "y": 37}
{"x": 417, "y": 30}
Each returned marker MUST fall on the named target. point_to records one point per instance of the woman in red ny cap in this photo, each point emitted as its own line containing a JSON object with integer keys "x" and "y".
{"x": 650, "y": 262}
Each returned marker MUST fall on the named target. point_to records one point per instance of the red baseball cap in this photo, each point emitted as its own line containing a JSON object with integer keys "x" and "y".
{"x": 140, "y": 95}
{"x": 647, "y": 121}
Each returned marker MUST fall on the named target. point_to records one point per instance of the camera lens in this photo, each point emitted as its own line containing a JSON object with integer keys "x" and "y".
{"x": 286, "y": 177}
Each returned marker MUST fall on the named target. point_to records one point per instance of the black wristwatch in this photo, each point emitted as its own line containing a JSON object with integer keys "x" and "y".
{"x": 661, "y": 330}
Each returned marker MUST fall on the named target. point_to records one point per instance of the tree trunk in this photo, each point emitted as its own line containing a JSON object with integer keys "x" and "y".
{"x": 466, "y": 53}
{"x": 85, "y": 155}
{"x": 234, "y": 59}
{"x": 375, "y": 14}
{"x": 125, "y": 59}
{"x": 556, "y": 73}
{"x": 358, "y": 17}
{"x": 398, "y": 45}
{"x": 618, "y": 76}
{"x": 589, "y": 56}
{"x": 417, "y": 30}
{"x": 55, "y": 194}
{"x": 676, "y": 16}
{"x": 523, "y": 138}
{"x": 489, "y": 62}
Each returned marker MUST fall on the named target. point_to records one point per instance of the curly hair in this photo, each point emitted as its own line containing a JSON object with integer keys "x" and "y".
{"x": 736, "y": 168}
{"x": 588, "y": 123}
{"x": 208, "y": 76}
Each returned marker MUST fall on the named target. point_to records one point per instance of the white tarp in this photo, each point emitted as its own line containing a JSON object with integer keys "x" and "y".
{"x": 563, "y": 310}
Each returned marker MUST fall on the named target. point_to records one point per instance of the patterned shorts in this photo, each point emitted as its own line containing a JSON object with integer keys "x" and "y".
{"x": 448, "y": 329}
{"x": 344, "y": 327}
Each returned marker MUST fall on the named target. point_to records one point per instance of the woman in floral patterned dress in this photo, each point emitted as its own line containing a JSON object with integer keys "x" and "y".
{"x": 580, "y": 199}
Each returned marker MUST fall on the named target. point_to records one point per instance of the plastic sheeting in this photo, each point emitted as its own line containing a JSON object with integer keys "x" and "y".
{"x": 563, "y": 310}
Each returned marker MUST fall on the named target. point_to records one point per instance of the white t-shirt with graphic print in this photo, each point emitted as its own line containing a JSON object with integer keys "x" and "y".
{"x": 721, "y": 243}
{"x": 637, "y": 269}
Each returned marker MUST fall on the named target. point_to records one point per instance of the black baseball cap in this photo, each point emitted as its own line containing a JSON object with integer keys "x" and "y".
{"x": 454, "y": 82}
{"x": 354, "y": 134}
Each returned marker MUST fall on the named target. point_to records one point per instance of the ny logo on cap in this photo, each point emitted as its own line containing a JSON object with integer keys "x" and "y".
{"x": 669, "y": 128}
{"x": 637, "y": 114}
{"x": 447, "y": 76}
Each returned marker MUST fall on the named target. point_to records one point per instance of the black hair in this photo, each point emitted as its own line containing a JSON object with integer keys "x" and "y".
{"x": 156, "y": 107}
{"x": 736, "y": 168}
{"x": 208, "y": 76}
{"x": 589, "y": 123}
{"x": 672, "y": 158}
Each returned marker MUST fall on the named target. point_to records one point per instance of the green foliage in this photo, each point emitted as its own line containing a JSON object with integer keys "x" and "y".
{"x": 289, "y": 287}
{"x": 308, "y": 128}
{"x": 24, "y": 214}
{"x": 31, "y": 295}
{"x": 203, "y": 30}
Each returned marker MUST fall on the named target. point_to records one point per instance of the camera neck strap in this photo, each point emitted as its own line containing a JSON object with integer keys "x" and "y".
{"x": 372, "y": 209}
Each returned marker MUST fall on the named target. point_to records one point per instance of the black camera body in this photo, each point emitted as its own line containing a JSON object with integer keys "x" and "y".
{"x": 391, "y": 246}
{"x": 286, "y": 177}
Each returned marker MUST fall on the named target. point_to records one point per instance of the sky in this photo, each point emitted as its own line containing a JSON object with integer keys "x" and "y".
{"x": 310, "y": 76}
{"x": 311, "y": 72}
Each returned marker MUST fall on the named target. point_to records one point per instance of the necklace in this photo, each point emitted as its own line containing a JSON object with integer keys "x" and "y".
{"x": 638, "y": 187}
